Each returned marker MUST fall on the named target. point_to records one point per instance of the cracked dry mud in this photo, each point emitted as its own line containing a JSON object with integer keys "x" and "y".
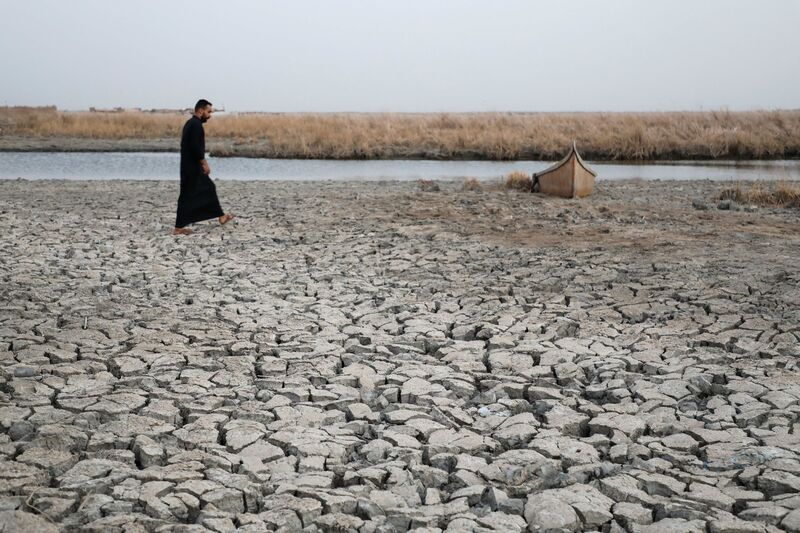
{"x": 371, "y": 357}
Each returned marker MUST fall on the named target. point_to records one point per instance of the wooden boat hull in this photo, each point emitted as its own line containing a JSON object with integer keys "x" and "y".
{"x": 569, "y": 178}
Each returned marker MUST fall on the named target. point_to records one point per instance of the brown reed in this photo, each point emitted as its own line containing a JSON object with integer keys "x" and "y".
{"x": 776, "y": 194}
{"x": 492, "y": 136}
{"x": 519, "y": 181}
{"x": 471, "y": 184}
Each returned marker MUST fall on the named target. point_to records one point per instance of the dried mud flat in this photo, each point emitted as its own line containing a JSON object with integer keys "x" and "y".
{"x": 371, "y": 357}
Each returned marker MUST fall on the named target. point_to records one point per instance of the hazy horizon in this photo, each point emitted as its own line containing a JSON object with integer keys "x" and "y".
{"x": 219, "y": 110}
{"x": 411, "y": 57}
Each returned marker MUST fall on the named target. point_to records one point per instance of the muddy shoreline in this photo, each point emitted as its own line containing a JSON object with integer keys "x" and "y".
{"x": 367, "y": 356}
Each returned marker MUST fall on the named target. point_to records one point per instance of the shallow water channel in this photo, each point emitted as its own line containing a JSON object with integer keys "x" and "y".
{"x": 164, "y": 166}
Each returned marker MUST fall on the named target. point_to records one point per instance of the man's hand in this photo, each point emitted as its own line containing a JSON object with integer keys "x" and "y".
{"x": 206, "y": 168}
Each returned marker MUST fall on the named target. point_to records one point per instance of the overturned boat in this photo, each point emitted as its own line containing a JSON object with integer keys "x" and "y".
{"x": 569, "y": 178}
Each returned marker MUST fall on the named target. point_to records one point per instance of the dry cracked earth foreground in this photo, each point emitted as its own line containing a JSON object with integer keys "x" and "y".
{"x": 370, "y": 357}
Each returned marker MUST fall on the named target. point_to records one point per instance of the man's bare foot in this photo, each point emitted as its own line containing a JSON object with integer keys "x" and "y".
{"x": 182, "y": 231}
{"x": 224, "y": 219}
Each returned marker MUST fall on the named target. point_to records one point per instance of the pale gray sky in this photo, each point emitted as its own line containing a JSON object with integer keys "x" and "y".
{"x": 403, "y": 55}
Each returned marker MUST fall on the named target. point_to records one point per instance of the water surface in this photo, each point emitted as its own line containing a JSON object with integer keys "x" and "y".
{"x": 164, "y": 166}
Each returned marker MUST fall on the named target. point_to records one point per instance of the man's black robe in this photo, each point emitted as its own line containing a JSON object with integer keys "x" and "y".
{"x": 198, "y": 198}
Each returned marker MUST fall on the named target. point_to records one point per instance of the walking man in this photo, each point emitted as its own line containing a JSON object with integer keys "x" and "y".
{"x": 198, "y": 197}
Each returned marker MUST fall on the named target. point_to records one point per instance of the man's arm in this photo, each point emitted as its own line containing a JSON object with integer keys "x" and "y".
{"x": 198, "y": 144}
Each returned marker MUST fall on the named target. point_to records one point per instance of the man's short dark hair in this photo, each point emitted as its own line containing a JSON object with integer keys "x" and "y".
{"x": 201, "y": 104}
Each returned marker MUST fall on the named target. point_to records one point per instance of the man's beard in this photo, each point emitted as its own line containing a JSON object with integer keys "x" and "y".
{"x": 204, "y": 120}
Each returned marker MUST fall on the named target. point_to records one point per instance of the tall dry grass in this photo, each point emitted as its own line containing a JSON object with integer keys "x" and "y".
{"x": 496, "y": 136}
{"x": 519, "y": 181}
{"x": 471, "y": 184}
{"x": 777, "y": 194}
{"x": 49, "y": 122}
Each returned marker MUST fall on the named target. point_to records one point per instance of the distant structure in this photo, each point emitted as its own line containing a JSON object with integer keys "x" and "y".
{"x": 164, "y": 111}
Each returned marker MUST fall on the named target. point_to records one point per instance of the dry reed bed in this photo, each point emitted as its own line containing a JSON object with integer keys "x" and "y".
{"x": 516, "y": 181}
{"x": 495, "y": 136}
{"x": 778, "y": 194}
